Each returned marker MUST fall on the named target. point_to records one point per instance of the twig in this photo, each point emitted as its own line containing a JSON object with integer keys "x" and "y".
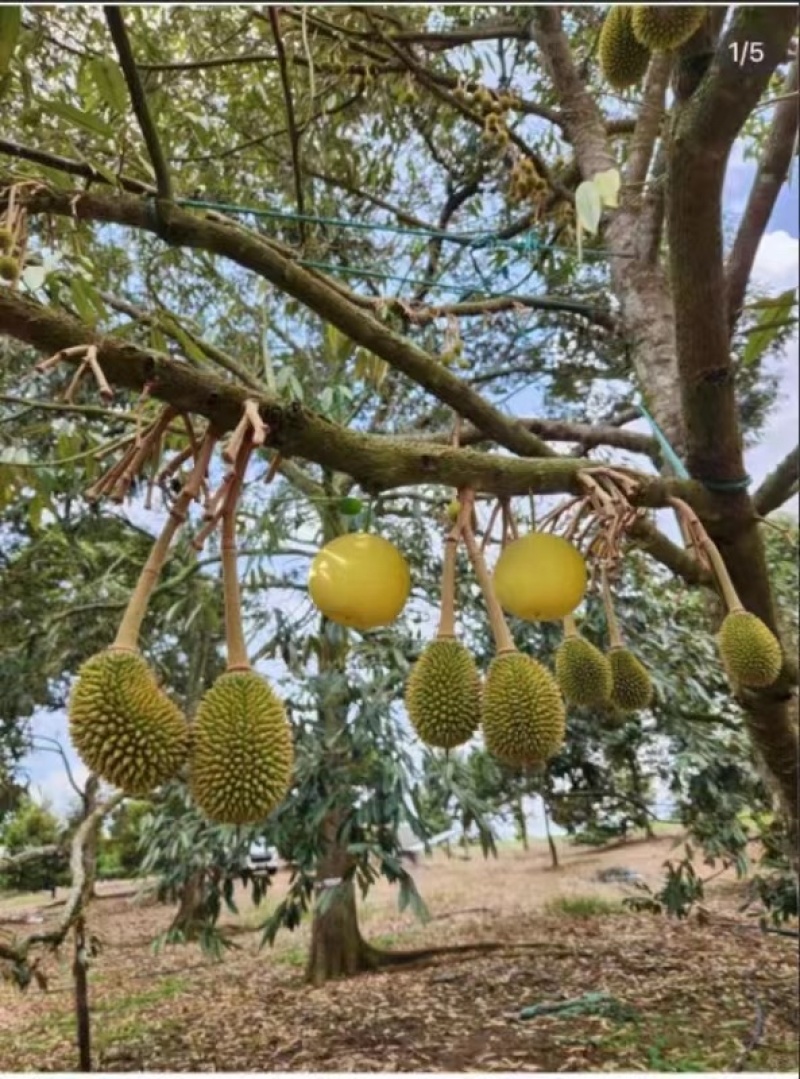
{"x": 127, "y": 63}
{"x": 294, "y": 135}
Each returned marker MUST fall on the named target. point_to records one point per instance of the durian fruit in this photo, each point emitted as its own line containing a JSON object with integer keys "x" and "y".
{"x": 122, "y": 724}
{"x": 582, "y": 671}
{"x": 443, "y": 691}
{"x": 632, "y": 687}
{"x": 443, "y": 694}
{"x": 522, "y": 715}
{"x": 6, "y": 238}
{"x": 661, "y": 29}
{"x": 124, "y": 727}
{"x": 241, "y": 754}
{"x": 750, "y": 652}
{"x": 9, "y": 268}
{"x": 623, "y": 59}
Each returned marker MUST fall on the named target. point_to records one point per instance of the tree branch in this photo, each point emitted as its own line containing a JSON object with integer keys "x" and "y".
{"x": 770, "y": 177}
{"x": 376, "y": 462}
{"x": 70, "y": 167}
{"x": 181, "y": 228}
{"x": 32, "y": 854}
{"x": 294, "y": 135}
{"x": 588, "y": 435}
{"x": 704, "y": 131}
{"x": 779, "y": 485}
{"x": 127, "y": 63}
{"x": 649, "y": 120}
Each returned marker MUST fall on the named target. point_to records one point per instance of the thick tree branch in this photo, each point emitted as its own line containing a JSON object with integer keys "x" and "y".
{"x": 780, "y": 484}
{"x": 377, "y": 462}
{"x": 649, "y": 120}
{"x": 127, "y": 63}
{"x": 181, "y": 228}
{"x": 772, "y": 172}
{"x": 704, "y": 131}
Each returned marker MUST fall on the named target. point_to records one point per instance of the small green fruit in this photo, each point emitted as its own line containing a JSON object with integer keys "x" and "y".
{"x": 351, "y": 507}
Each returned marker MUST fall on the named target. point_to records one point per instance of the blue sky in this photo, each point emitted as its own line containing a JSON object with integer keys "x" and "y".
{"x": 776, "y": 267}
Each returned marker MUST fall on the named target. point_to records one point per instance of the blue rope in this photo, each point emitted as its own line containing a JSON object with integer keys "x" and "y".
{"x": 678, "y": 467}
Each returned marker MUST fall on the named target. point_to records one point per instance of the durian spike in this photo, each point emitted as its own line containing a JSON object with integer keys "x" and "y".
{"x": 570, "y": 629}
{"x": 234, "y": 632}
{"x": 614, "y": 635}
{"x": 500, "y": 631}
{"x": 128, "y": 632}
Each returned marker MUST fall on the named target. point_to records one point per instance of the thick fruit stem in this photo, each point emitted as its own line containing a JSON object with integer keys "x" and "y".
{"x": 234, "y": 632}
{"x": 500, "y": 630}
{"x": 570, "y": 629}
{"x": 732, "y": 601}
{"x": 614, "y": 635}
{"x": 447, "y": 617}
{"x": 128, "y": 633}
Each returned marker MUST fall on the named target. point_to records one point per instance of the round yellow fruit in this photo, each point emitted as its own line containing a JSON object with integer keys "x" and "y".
{"x": 540, "y": 577}
{"x": 359, "y": 580}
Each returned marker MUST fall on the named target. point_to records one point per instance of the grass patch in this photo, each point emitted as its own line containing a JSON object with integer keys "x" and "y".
{"x": 582, "y": 906}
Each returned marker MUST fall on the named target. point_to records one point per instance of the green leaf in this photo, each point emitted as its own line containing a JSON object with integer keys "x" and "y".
{"x": 10, "y": 26}
{"x": 588, "y": 206}
{"x": 79, "y": 117}
{"x": 771, "y": 321}
{"x": 110, "y": 83}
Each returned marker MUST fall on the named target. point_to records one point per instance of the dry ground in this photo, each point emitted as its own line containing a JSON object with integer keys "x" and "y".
{"x": 702, "y": 996}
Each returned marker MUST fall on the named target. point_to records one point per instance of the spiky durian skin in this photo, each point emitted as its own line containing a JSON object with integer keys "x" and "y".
{"x": 663, "y": 28}
{"x": 751, "y": 654}
{"x": 623, "y": 59}
{"x": 443, "y": 695}
{"x": 9, "y": 267}
{"x": 632, "y": 688}
{"x": 583, "y": 673}
{"x": 241, "y": 758}
{"x": 122, "y": 724}
{"x": 523, "y": 717}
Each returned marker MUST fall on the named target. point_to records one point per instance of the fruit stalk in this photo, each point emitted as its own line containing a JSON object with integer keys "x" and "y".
{"x": 614, "y": 635}
{"x": 570, "y": 629}
{"x": 447, "y": 619}
{"x": 702, "y": 539}
{"x": 234, "y": 632}
{"x": 128, "y": 633}
{"x": 500, "y": 630}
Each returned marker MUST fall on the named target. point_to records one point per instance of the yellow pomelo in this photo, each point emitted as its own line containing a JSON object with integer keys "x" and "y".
{"x": 359, "y": 580}
{"x": 540, "y": 577}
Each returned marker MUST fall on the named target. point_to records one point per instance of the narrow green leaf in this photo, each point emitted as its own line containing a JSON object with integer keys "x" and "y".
{"x": 81, "y": 118}
{"x": 10, "y": 26}
{"x": 110, "y": 83}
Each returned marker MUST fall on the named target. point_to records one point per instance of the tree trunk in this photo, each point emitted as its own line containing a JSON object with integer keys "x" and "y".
{"x": 337, "y": 947}
{"x": 189, "y": 916}
{"x": 522, "y": 824}
{"x": 550, "y": 841}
